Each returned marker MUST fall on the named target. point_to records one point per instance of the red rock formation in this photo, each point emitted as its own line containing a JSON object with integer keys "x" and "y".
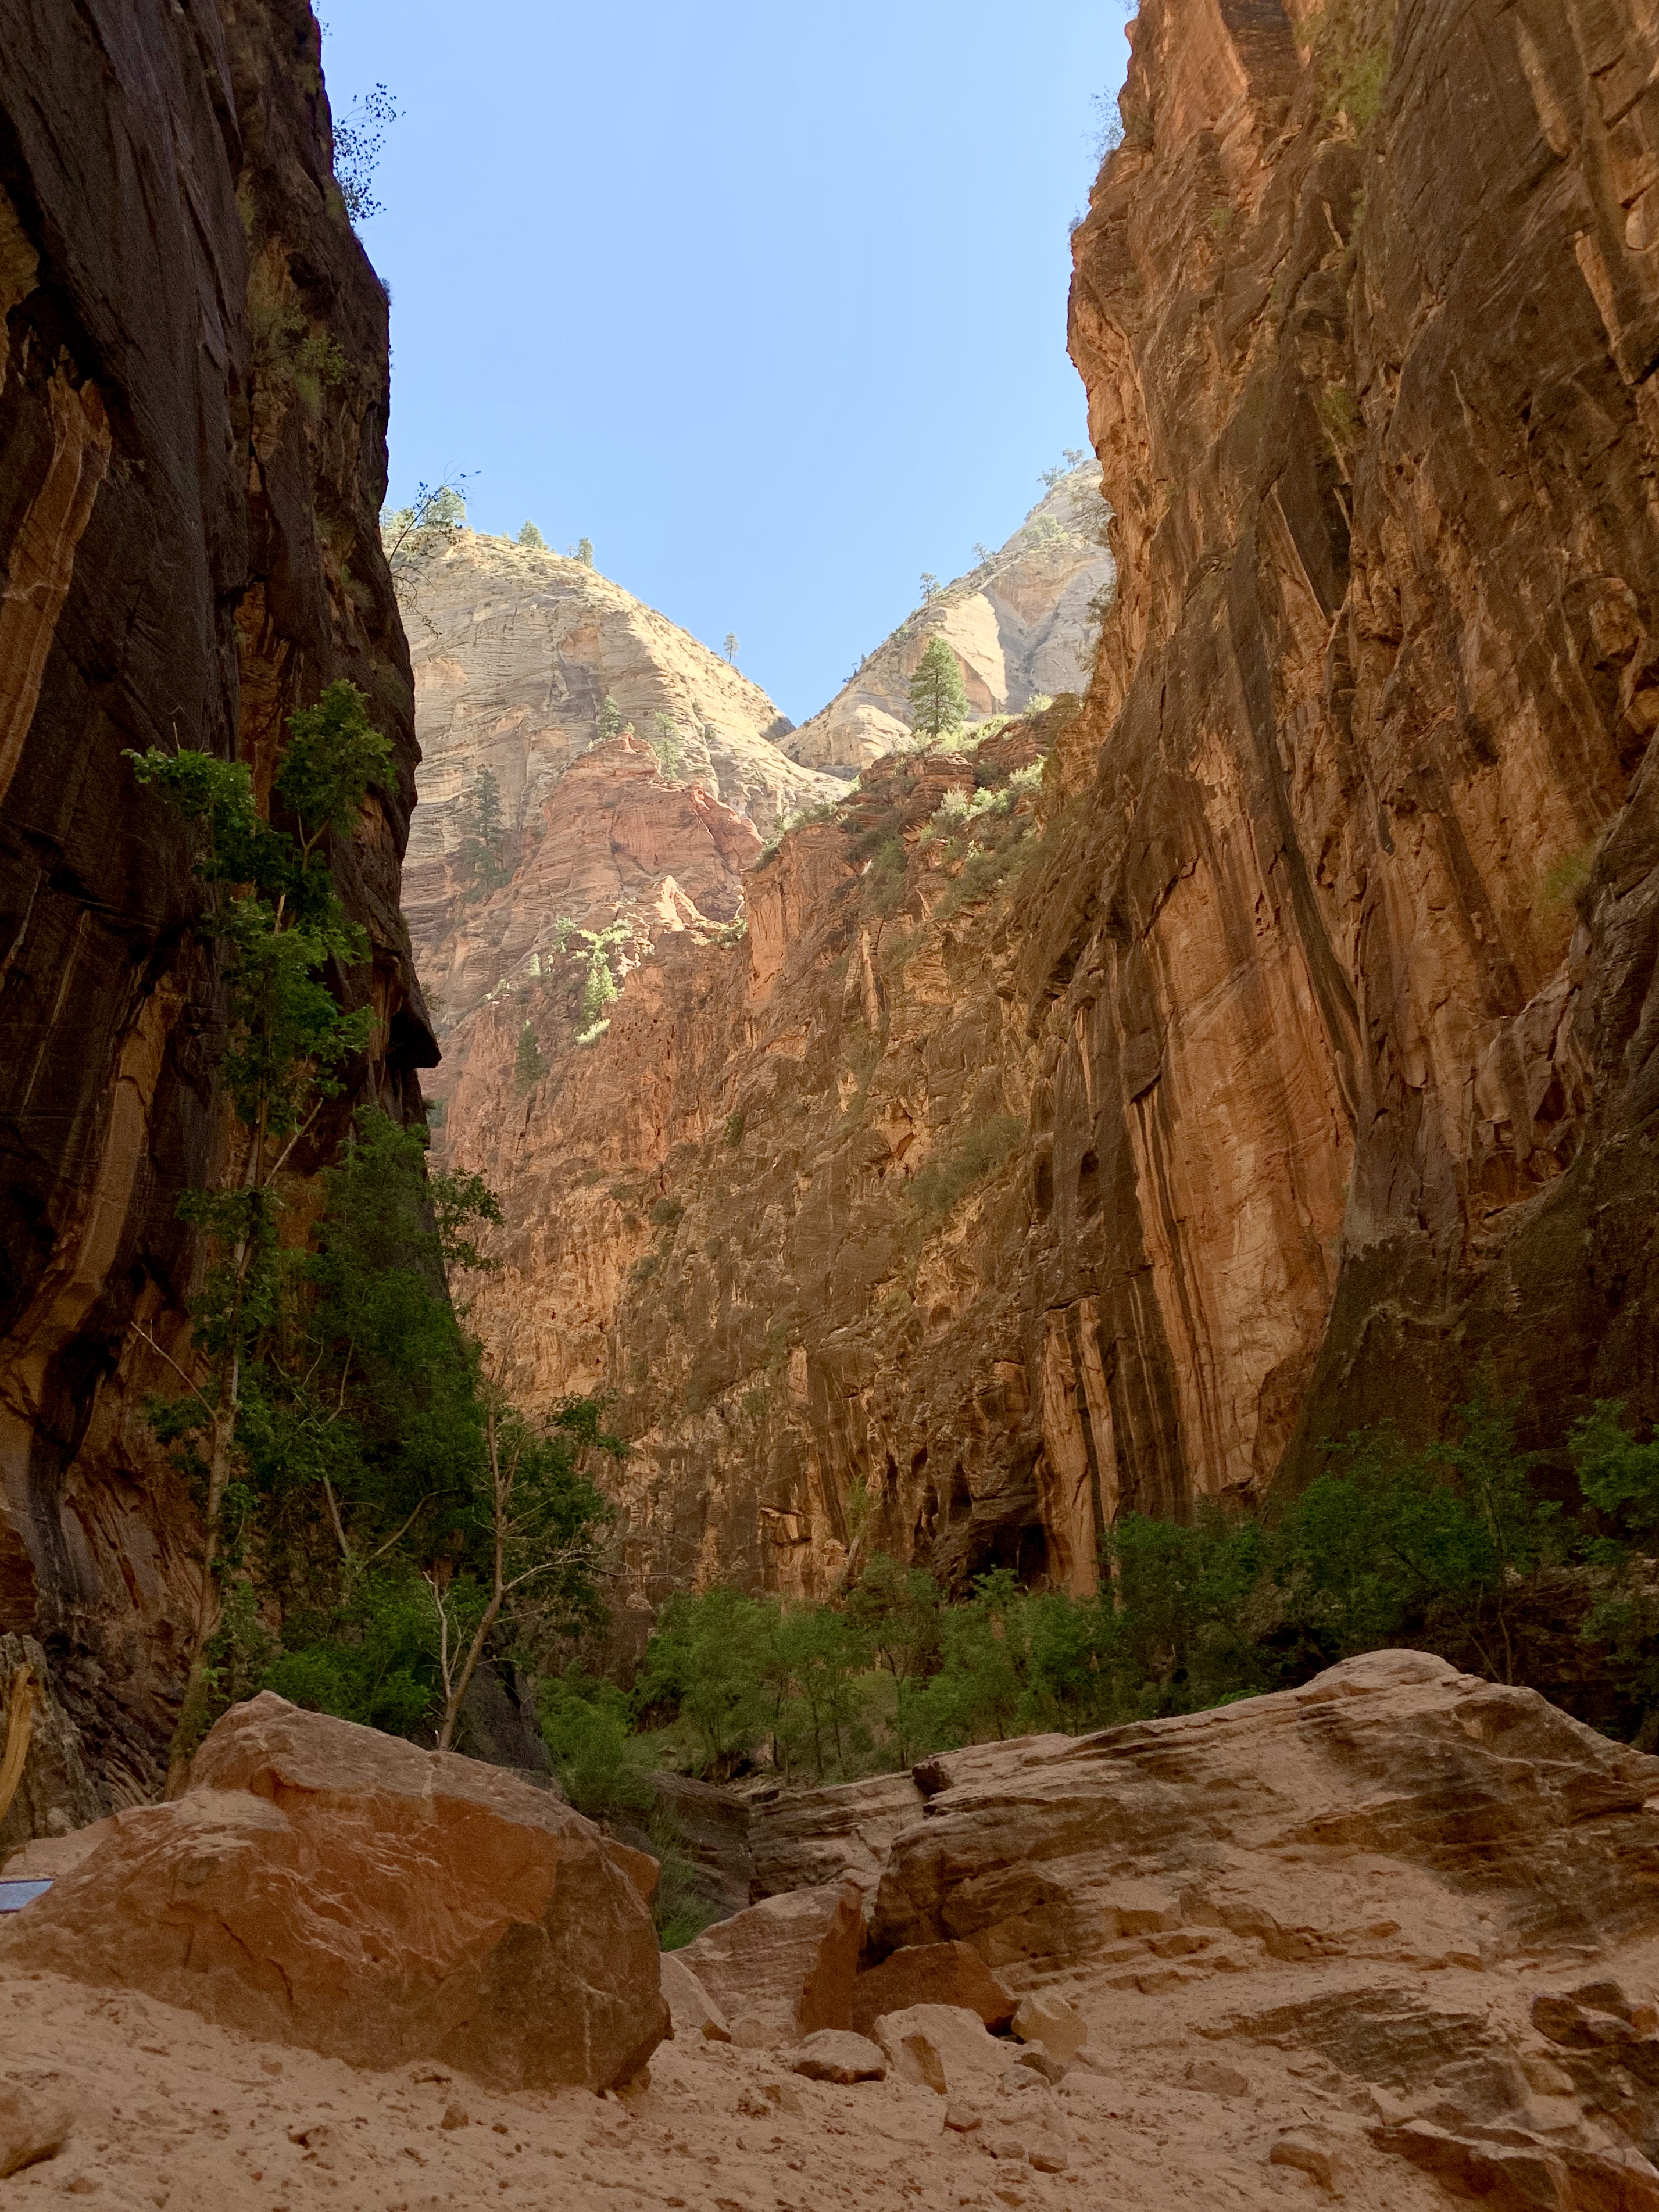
{"x": 193, "y": 415}
{"x": 1302, "y": 1068}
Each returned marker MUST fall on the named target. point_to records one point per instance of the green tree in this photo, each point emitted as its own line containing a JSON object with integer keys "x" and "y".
{"x": 531, "y": 538}
{"x": 527, "y": 1067}
{"x": 481, "y": 856}
{"x": 599, "y": 985}
{"x": 708, "y": 1663}
{"x": 359, "y": 135}
{"x": 534, "y": 1516}
{"x": 930, "y": 587}
{"x": 281, "y": 927}
{"x": 410, "y": 534}
{"x": 1455, "y": 1530}
{"x": 1619, "y": 1478}
{"x": 731, "y": 648}
{"x": 939, "y": 699}
{"x": 611, "y": 719}
{"x": 585, "y": 551}
{"x": 666, "y": 743}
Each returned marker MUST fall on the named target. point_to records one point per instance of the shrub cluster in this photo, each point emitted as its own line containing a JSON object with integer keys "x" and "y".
{"x": 1453, "y": 1548}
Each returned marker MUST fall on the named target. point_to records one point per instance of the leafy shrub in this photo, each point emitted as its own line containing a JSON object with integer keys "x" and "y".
{"x": 935, "y": 1189}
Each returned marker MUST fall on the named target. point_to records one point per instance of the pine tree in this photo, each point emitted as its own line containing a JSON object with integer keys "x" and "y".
{"x": 939, "y": 702}
{"x": 732, "y": 649}
{"x": 529, "y": 536}
{"x": 585, "y": 551}
{"x": 610, "y": 720}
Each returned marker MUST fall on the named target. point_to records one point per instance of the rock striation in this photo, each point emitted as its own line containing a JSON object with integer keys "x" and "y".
{"x": 324, "y": 1885}
{"x": 1294, "y": 1065}
{"x": 193, "y": 394}
{"x": 1023, "y": 626}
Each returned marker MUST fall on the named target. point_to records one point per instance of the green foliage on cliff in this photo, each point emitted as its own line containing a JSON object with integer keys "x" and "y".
{"x": 343, "y": 1444}
{"x": 527, "y": 1064}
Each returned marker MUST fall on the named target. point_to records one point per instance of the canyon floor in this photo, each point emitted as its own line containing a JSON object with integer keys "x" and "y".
{"x": 174, "y": 2114}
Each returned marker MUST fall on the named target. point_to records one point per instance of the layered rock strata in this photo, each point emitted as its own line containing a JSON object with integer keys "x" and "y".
{"x": 1023, "y": 625}
{"x": 1298, "y": 1068}
{"x": 193, "y": 414}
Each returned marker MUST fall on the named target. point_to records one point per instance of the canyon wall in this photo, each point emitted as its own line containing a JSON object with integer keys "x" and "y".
{"x": 193, "y": 397}
{"x": 1287, "y": 1060}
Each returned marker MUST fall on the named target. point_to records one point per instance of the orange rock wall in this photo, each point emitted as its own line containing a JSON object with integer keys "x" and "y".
{"x": 1297, "y": 1068}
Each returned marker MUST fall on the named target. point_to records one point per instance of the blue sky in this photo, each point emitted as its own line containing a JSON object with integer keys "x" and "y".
{"x": 769, "y": 303}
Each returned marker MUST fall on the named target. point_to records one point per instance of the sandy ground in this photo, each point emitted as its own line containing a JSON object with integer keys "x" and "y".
{"x": 176, "y": 2114}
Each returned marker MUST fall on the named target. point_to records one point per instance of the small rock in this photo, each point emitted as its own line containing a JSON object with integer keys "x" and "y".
{"x": 1009, "y": 2147}
{"x": 1048, "y": 2020}
{"x": 943, "y": 2048}
{"x": 455, "y": 2117}
{"x": 691, "y": 2007}
{"x": 835, "y": 2054}
{"x": 272, "y": 2066}
{"x": 81, "y": 2184}
{"x": 931, "y": 1973}
{"x": 750, "y": 2034}
{"x": 1048, "y": 2158}
{"x": 31, "y": 2129}
{"x": 1544, "y": 2076}
{"x": 961, "y": 2118}
{"x": 1308, "y": 2154}
{"x": 1035, "y": 2060}
{"x": 1217, "y": 2080}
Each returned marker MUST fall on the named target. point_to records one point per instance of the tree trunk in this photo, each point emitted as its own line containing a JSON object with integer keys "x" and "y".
{"x": 198, "y": 1688}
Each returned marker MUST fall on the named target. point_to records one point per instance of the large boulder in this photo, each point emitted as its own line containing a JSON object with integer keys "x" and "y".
{"x": 785, "y": 1967}
{"x": 1485, "y": 1820}
{"x": 322, "y": 1884}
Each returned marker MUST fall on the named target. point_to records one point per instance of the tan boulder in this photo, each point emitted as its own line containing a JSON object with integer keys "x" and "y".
{"x": 1048, "y": 2020}
{"x": 931, "y": 1973}
{"x": 785, "y": 1967}
{"x": 324, "y": 1885}
{"x": 945, "y": 2048}
{"x": 692, "y": 2011}
{"x": 835, "y": 2054}
{"x": 1158, "y": 1848}
{"x": 32, "y": 2128}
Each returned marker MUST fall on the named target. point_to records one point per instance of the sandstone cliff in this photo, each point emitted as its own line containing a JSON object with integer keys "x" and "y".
{"x": 192, "y": 413}
{"x": 515, "y": 652}
{"x": 1022, "y": 626}
{"x": 1298, "y": 1063}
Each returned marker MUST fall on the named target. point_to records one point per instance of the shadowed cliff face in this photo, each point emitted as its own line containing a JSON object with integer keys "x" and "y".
{"x": 193, "y": 415}
{"x": 1298, "y": 1065}
{"x": 1359, "y": 960}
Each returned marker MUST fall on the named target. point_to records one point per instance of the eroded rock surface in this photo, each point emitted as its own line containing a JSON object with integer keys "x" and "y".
{"x": 323, "y": 1885}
